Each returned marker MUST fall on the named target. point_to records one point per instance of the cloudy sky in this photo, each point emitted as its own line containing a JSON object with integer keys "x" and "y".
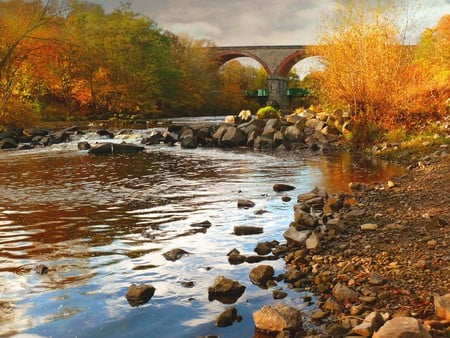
{"x": 254, "y": 22}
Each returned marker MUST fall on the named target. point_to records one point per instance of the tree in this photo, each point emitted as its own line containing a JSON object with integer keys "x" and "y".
{"x": 23, "y": 34}
{"x": 366, "y": 62}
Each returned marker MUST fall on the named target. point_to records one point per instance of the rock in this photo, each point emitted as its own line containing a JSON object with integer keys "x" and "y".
{"x": 204, "y": 224}
{"x": 286, "y": 199}
{"x": 442, "y": 306}
{"x": 304, "y": 218}
{"x": 113, "y": 148}
{"x": 8, "y": 143}
{"x": 293, "y": 134}
{"x": 278, "y": 318}
{"x": 189, "y": 142}
{"x": 83, "y": 145}
{"x": 153, "y": 139}
{"x": 344, "y": 294}
{"x": 278, "y": 187}
{"x": 336, "y": 225}
{"x": 174, "y": 254}
{"x": 236, "y": 259}
{"x": 278, "y": 294}
{"x": 243, "y": 230}
{"x": 41, "y": 269}
{"x": 371, "y": 323}
{"x": 139, "y": 294}
{"x": 227, "y": 317}
{"x": 263, "y": 248}
{"x": 271, "y": 127}
{"x": 225, "y": 290}
{"x": 402, "y": 327}
{"x": 294, "y": 236}
{"x": 369, "y": 226}
{"x": 245, "y": 204}
{"x": 104, "y": 132}
{"x": 261, "y": 274}
{"x": 293, "y": 275}
{"x": 233, "y": 137}
{"x": 313, "y": 242}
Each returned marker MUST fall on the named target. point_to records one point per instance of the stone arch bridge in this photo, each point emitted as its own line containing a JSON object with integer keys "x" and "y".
{"x": 276, "y": 60}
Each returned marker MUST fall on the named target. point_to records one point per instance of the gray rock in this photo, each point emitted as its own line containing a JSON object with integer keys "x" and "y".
{"x": 189, "y": 142}
{"x": 8, "y": 143}
{"x": 233, "y": 137}
{"x": 83, "y": 145}
{"x": 236, "y": 259}
{"x": 295, "y": 236}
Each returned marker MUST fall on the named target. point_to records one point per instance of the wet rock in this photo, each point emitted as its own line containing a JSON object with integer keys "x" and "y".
{"x": 83, "y": 145}
{"x": 155, "y": 138}
{"x": 261, "y": 274}
{"x": 260, "y": 212}
{"x": 105, "y": 133}
{"x": 236, "y": 259}
{"x": 263, "y": 248}
{"x": 304, "y": 218}
{"x": 188, "y": 284}
{"x": 233, "y": 137}
{"x": 227, "y": 317}
{"x": 286, "y": 199}
{"x": 204, "y": 224}
{"x": 189, "y": 142}
{"x": 225, "y": 290}
{"x": 245, "y": 204}
{"x": 442, "y": 306}
{"x": 279, "y": 187}
{"x": 278, "y": 318}
{"x": 244, "y": 230}
{"x": 139, "y": 294}
{"x": 293, "y": 275}
{"x": 278, "y": 294}
{"x": 114, "y": 148}
{"x": 175, "y": 254}
{"x": 402, "y": 327}
{"x": 41, "y": 269}
{"x": 8, "y": 143}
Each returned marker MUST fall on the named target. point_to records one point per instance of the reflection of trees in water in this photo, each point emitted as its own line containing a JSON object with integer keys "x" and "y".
{"x": 341, "y": 169}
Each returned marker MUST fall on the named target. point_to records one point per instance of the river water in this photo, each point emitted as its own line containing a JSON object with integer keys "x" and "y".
{"x": 102, "y": 223}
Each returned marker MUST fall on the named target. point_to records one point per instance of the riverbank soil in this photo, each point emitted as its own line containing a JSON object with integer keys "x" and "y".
{"x": 401, "y": 260}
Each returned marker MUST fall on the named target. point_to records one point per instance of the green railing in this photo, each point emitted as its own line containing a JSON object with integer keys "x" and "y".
{"x": 292, "y": 92}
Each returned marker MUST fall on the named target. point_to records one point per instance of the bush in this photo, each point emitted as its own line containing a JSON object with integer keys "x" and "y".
{"x": 268, "y": 112}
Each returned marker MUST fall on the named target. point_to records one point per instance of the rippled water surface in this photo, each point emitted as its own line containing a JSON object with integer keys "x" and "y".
{"x": 102, "y": 223}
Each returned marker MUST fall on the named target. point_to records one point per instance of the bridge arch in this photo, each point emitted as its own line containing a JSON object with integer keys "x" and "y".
{"x": 276, "y": 60}
{"x": 224, "y": 57}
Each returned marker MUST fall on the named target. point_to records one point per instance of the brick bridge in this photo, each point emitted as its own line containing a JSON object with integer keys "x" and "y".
{"x": 276, "y": 60}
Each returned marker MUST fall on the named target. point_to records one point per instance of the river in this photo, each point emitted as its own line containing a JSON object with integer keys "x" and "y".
{"x": 102, "y": 223}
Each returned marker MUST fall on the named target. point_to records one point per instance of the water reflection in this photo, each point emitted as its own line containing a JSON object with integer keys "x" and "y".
{"x": 102, "y": 223}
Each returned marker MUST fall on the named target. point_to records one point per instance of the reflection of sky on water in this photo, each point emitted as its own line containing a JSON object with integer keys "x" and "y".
{"x": 84, "y": 217}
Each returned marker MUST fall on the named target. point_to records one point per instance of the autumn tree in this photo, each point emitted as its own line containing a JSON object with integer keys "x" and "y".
{"x": 24, "y": 34}
{"x": 366, "y": 62}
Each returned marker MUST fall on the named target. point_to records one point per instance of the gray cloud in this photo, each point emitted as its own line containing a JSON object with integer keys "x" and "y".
{"x": 256, "y": 22}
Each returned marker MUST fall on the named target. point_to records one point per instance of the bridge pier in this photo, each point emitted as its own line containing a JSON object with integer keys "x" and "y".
{"x": 278, "y": 87}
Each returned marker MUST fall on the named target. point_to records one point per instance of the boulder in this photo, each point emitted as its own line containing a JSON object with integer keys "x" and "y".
{"x": 261, "y": 274}
{"x": 304, "y": 218}
{"x": 344, "y": 294}
{"x": 293, "y": 134}
{"x": 242, "y": 230}
{"x": 278, "y": 318}
{"x": 442, "y": 306}
{"x": 113, "y": 148}
{"x": 225, "y": 290}
{"x": 8, "y": 143}
{"x": 272, "y": 126}
{"x": 292, "y": 235}
{"x": 175, "y": 254}
{"x": 235, "y": 259}
{"x": 263, "y": 248}
{"x": 233, "y": 137}
{"x": 153, "y": 139}
{"x": 313, "y": 242}
{"x": 400, "y": 327}
{"x": 189, "y": 142}
{"x": 139, "y": 294}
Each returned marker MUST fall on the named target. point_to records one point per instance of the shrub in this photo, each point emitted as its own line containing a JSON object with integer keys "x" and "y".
{"x": 267, "y": 112}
